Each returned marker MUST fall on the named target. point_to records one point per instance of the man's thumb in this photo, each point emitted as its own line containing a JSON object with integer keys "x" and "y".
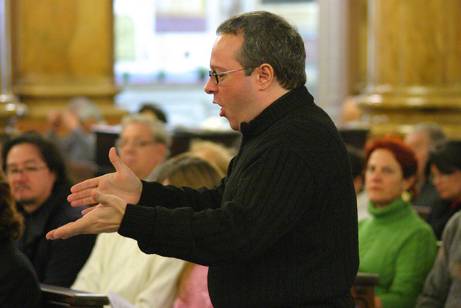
{"x": 115, "y": 159}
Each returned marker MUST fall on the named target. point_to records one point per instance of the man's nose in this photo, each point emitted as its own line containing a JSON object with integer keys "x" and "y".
{"x": 18, "y": 177}
{"x": 210, "y": 87}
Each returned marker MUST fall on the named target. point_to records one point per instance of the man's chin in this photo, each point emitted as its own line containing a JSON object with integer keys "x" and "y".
{"x": 26, "y": 202}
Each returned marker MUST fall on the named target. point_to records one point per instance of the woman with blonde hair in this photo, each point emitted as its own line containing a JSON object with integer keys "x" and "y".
{"x": 187, "y": 170}
{"x": 18, "y": 281}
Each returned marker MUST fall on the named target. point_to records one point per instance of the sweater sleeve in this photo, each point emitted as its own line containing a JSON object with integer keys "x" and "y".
{"x": 237, "y": 230}
{"x": 412, "y": 265}
{"x": 438, "y": 282}
{"x": 156, "y": 194}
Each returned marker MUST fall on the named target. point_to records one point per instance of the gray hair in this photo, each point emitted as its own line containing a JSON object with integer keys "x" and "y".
{"x": 84, "y": 108}
{"x": 157, "y": 128}
{"x": 268, "y": 38}
{"x": 437, "y": 137}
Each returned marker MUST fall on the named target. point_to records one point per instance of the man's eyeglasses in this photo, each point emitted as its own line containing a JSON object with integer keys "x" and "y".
{"x": 217, "y": 76}
{"x": 26, "y": 170}
{"x": 120, "y": 143}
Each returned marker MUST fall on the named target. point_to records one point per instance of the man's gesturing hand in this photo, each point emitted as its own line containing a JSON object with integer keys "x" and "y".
{"x": 108, "y": 195}
{"x": 106, "y": 216}
{"x": 122, "y": 183}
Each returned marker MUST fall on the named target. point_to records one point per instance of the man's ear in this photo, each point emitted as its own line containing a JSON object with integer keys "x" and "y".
{"x": 265, "y": 75}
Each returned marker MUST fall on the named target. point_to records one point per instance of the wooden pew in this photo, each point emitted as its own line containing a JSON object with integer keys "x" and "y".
{"x": 54, "y": 297}
{"x": 363, "y": 293}
{"x": 363, "y": 290}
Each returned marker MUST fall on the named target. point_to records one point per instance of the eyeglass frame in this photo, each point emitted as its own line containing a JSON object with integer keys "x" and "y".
{"x": 24, "y": 170}
{"x": 217, "y": 75}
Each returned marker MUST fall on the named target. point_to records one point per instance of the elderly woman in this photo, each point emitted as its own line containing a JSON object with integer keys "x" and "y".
{"x": 394, "y": 242}
{"x": 18, "y": 281}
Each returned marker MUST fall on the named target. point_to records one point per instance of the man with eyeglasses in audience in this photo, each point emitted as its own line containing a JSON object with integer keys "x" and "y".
{"x": 143, "y": 144}
{"x": 148, "y": 281}
{"x": 38, "y": 180}
{"x": 280, "y": 230}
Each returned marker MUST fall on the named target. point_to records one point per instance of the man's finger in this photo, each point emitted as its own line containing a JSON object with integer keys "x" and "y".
{"x": 68, "y": 230}
{"x": 115, "y": 159}
{"x": 87, "y": 210}
{"x": 90, "y": 183}
{"x": 88, "y": 201}
{"x": 105, "y": 199}
{"x": 82, "y": 195}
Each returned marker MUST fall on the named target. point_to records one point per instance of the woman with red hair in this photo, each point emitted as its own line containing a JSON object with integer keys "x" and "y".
{"x": 394, "y": 242}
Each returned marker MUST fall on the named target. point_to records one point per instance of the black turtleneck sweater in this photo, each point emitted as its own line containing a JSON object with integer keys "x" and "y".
{"x": 281, "y": 228}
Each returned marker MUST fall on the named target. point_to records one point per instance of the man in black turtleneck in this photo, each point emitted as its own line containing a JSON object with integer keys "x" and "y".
{"x": 281, "y": 228}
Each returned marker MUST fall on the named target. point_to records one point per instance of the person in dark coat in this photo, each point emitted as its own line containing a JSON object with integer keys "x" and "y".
{"x": 446, "y": 176}
{"x": 38, "y": 181}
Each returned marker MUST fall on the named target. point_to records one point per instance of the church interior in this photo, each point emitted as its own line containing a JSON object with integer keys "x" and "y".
{"x": 377, "y": 67}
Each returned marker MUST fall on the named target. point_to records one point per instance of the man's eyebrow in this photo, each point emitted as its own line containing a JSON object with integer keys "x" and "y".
{"x": 33, "y": 160}
{"x": 217, "y": 67}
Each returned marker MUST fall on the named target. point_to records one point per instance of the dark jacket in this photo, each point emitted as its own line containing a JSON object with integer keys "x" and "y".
{"x": 441, "y": 212}
{"x": 56, "y": 262}
{"x": 18, "y": 282}
{"x": 281, "y": 228}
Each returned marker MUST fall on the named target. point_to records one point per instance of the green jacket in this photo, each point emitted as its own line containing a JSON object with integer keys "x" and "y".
{"x": 398, "y": 246}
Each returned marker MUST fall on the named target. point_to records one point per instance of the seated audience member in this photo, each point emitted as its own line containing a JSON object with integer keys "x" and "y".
{"x": 443, "y": 284}
{"x": 18, "y": 281}
{"x": 143, "y": 144}
{"x": 214, "y": 153}
{"x": 187, "y": 170}
{"x": 116, "y": 264}
{"x": 446, "y": 175}
{"x": 395, "y": 242}
{"x": 423, "y": 139}
{"x": 72, "y": 131}
{"x": 350, "y": 112}
{"x": 38, "y": 181}
{"x": 152, "y": 110}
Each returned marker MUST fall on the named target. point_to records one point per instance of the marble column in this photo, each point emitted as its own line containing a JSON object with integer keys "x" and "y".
{"x": 62, "y": 49}
{"x": 10, "y": 107}
{"x": 414, "y": 65}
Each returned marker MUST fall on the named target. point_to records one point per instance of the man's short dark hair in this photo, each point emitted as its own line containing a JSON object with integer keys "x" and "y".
{"x": 268, "y": 38}
{"x": 48, "y": 152}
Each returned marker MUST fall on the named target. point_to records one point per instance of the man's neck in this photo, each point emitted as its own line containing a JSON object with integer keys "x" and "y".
{"x": 29, "y": 208}
{"x": 272, "y": 95}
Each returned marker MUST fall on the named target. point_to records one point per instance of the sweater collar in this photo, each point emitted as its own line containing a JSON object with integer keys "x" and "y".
{"x": 278, "y": 109}
{"x": 391, "y": 212}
